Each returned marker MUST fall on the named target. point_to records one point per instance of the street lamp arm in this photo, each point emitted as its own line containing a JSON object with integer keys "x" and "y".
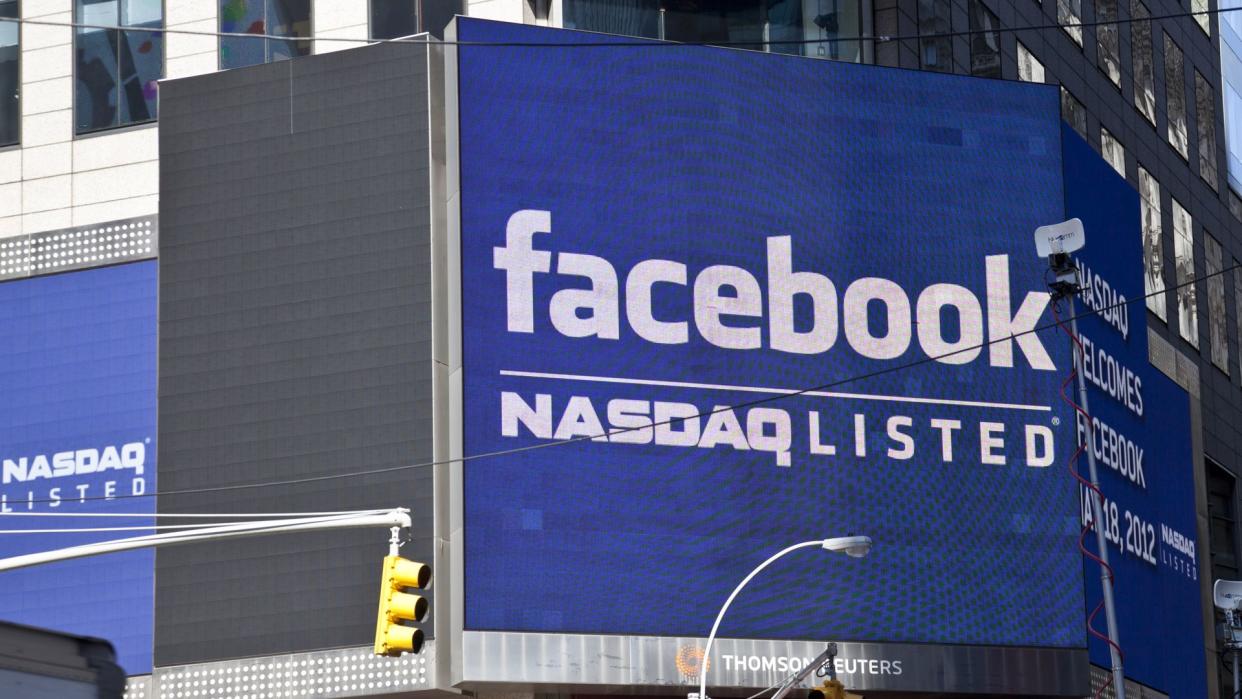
{"x": 711, "y": 637}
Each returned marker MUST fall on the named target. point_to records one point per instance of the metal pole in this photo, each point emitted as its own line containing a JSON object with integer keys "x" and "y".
{"x": 396, "y": 518}
{"x": 1236, "y": 687}
{"x": 707, "y": 652}
{"x": 1106, "y": 583}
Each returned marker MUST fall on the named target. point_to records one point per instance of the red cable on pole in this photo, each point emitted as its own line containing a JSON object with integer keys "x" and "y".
{"x": 1073, "y": 469}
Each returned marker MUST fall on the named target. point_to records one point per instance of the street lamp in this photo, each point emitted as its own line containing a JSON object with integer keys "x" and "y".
{"x": 852, "y": 546}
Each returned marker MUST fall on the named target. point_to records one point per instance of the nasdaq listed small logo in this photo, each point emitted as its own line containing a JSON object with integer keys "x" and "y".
{"x": 46, "y": 481}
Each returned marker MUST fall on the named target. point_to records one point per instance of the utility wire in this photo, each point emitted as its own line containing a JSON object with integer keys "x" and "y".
{"x": 207, "y": 515}
{"x": 609, "y": 433}
{"x": 649, "y": 43}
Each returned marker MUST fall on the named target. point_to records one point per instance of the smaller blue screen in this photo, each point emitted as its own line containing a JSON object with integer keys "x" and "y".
{"x": 77, "y": 422}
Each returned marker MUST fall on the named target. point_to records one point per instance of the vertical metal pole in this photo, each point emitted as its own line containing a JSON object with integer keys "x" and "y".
{"x": 1236, "y": 687}
{"x": 1110, "y": 611}
{"x": 661, "y": 36}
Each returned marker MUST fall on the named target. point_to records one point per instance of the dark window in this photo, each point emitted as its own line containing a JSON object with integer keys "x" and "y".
{"x": 1221, "y": 525}
{"x": 1074, "y": 113}
{"x": 117, "y": 70}
{"x": 436, "y": 15}
{"x": 1221, "y": 545}
{"x": 1109, "y": 49}
{"x": 1144, "y": 73}
{"x": 1205, "y": 118}
{"x": 284, "y": 18}
{"x": 935, "y": 52}
{"x": 393, "y": 18}
{"x": 10, "y": 76}
{"x": 797, "y": 27}
{"x": 985, "y": 56}
{"x": 626, "y": 17}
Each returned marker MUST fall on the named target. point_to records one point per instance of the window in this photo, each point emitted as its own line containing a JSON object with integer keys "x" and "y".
{"x": 935, "y": 52}
{"x": 1175, "y": 97}
{"x": 985, "y": 56}
{"x": 1221, "y": 523}
{"x": 1144, "y": 75}
{"x": 117, "y": 70}
{"x": 1153, "y": 245}
{"x": 1218, "y": 334}
{"x": 1200, "y": 7}
{"x": 1205, "y": 118}
{"x": 10, "y": 76}
{"x": 1069, "y": 16}
{"x": 1230, "y": 26}
{"x": 1112, "y": 151}
{"x": 393, "y": 18}
{"x": 807, "y": 27}
{"x": 1108, "y": 46}
{"x": 1073, "y": 112}
{"x": 1029, "y": 68}
{"x": 1184, "y": 263}
{"x": 1237, "y": 294}
{"x": 289, "y": 18}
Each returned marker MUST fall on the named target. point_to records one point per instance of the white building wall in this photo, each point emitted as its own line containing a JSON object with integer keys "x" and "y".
{"x": 55, "y": 179}
{"x": 339, "y": 19}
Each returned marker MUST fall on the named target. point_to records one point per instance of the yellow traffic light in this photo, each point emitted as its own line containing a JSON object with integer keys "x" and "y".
{"x": 395, "y": 605}
{"x": 831, "y": 689}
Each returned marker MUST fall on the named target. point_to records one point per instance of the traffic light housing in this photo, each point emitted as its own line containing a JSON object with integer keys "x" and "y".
{"x": 393, "y": 638}
{"x": 830, "y": 689}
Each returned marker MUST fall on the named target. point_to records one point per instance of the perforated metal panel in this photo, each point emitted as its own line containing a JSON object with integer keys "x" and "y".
{"x": 1134, "y": 690}
{"x": 79, "y": 248}
{"x": 347, "y": 672}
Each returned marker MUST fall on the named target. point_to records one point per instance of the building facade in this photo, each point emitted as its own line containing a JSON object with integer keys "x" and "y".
{"x": 79, "y": 141}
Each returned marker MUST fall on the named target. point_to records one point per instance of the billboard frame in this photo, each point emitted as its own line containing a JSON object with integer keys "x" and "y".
{"x": 475, "y": 660}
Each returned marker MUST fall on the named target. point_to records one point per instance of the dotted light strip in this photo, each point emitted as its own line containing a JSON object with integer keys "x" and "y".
{"x": 78, "y": 248}
{"x": 354, "y": 672}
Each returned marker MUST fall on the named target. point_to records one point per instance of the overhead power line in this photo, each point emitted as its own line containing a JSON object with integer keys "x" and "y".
{"x": 634, "y": 43}
{"x": 203, "y": 515}
{"x": 609, "y": 433}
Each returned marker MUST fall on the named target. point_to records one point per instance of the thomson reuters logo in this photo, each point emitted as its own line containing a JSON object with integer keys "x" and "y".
{"x": 689, "y": 660}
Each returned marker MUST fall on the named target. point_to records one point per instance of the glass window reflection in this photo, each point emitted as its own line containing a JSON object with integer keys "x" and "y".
{"x": 819, "y": 28}
{"x": 283, "y": 18}
{"x": 10, "y": 76}
{"x": 117, "y": 71}
{"x": 985, "y": 54}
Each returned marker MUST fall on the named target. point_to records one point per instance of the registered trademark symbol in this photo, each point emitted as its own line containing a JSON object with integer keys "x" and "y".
{"x": 1056, "y": 421}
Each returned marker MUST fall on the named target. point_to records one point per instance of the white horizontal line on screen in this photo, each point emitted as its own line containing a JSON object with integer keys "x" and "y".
{"x": 774, "y": 391}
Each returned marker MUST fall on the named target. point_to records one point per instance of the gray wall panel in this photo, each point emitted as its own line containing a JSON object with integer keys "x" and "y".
{"x": 295, "y": 340}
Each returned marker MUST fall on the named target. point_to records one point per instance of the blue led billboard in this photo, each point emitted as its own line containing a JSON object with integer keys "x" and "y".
{"x": 1141, "y": 426}
{"x": 656, "y": 235}
{"x": 77, "y": 427}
